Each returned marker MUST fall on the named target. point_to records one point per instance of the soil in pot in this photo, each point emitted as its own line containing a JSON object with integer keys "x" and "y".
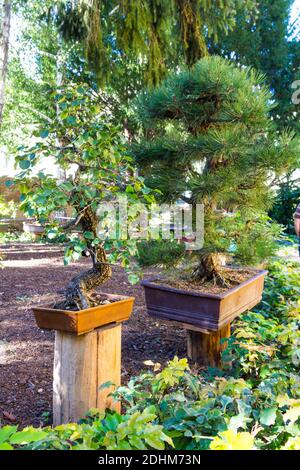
{"x": 96, "y": 300}
{"x": 110, "y": 308}
{"x": 234, "y": 277}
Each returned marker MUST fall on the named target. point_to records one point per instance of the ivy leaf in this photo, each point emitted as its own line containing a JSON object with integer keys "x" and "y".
{"x": 236, "y": 422}
{"x": 268, "y": 416}
{"x": 292, "y": 414}
{"x": 229, "y": 440}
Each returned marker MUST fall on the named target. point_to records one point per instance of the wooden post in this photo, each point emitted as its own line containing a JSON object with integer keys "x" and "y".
{"x": 81, "y": 365}
{"x": 206, "y": 348}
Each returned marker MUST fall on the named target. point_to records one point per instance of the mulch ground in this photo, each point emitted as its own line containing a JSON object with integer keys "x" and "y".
{"x": 32, "y": 275}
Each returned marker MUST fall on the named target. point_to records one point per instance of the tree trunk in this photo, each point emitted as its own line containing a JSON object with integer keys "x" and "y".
{"x": 78, "y": 295}
{"x": 210, "y": 269}
{"x": 4, "y": 47}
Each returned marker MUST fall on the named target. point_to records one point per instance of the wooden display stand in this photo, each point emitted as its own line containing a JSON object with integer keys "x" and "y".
{"x": 205, "y": 347}
{"x": 81, "y": 365}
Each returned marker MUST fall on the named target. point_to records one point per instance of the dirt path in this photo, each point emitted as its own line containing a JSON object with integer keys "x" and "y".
{"x": 32, "y": 275}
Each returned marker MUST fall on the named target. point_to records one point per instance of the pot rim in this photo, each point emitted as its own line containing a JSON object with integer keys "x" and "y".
{"x": 48, "y": 308}
{"x": 149, "y": 283}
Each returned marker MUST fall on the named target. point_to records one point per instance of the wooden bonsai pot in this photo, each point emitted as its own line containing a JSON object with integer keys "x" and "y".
{"x": 83, "y": 321}
{"x": 208, "y": 312}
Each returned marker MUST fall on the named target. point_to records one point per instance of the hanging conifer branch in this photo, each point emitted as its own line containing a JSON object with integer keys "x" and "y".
{"x": 155, "y": 33}
{"x": 191, "y": 30}
{"x": 95, "y": 50}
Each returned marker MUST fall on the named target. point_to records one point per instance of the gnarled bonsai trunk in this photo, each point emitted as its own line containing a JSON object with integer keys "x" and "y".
{"x": 81, "y": 287}
{"x": 210, "y": 269}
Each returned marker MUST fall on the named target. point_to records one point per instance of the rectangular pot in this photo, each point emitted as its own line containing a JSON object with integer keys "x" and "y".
{"x": 83, "y": 321}
{"x": 203, "y": 310}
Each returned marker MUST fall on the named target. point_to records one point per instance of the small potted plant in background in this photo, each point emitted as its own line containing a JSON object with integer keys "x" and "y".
{"x": 8, "y": 211}
{"x": 91, "y": 149}
{"x": 208, "y": 139}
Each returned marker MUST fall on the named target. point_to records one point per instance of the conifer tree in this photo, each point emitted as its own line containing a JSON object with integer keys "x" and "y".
{"x": 209, "y": 139}
{"x": 157, "y": 32}
{"x": 252, "y": 43}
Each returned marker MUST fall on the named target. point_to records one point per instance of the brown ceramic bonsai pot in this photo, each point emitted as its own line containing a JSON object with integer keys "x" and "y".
{"x": 4, "y": 227}
{"x": 83, "y": 321}
{"x": 209, "y": 312}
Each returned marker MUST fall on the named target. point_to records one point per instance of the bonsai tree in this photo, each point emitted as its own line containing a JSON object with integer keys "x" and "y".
{"x": 208, "y": 138}
{"x": 90, "y": 151}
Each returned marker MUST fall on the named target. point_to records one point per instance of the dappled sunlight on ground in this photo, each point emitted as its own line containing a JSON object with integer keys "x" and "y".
{"x": 33, "y": 276}
{"x": 290, "y": 252}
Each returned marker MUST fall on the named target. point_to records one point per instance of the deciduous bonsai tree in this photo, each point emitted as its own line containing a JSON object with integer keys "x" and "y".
{"x": 90, "y": 150}
{"x": 208, "y": 138}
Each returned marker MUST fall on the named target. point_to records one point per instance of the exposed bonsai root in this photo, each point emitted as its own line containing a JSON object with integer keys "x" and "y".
{"x": 210, "y": 269}
{"x": 78, "y": 295}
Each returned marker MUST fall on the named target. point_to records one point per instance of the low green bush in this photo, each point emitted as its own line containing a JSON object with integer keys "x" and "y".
{"x": 160, "y": 252}
{"x": 253, "y": 403}
{"x": 8, "y": 209}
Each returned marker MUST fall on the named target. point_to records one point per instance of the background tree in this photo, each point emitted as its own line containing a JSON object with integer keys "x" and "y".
{"x": 267, "y": 41}
{"x": 209, "y": 139}
{"x": 286, "y": 200}
{"x": 158, "y": 32}
{"x": 5, "y": 15}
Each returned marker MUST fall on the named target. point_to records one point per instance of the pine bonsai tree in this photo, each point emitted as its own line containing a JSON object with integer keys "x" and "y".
{"x": 209, "y": 139}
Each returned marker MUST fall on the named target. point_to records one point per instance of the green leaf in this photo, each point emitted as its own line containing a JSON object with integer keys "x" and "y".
{"x": 112, "y": 421}
{"x": 28, "y": 435}
{"x": 52, "y": 234}
{"x": 88, "y": 235}
{"x": 6, "y": 446}
{"x": 137, "y": 442}
{"x": 155, "y": 442}
{"x": 67, "y": 186}
{"x": 44, "y": 133}
{"x": 292, "y": 414}
{"x": 6, "y": 432}
{"x": 71, "y": 120}
{"x": 268, "y": 416}
{"x": 106, "y": 385}
{"x": 133, "y": 278}
{"x": 24, "y": 164}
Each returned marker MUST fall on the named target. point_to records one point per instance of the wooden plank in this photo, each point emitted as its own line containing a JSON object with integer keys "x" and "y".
{"x": 205, "y": 349}
{"x": 81, "y": 365}
{"x": 109, "y": 370}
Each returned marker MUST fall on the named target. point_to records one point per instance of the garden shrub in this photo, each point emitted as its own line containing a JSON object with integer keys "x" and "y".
{"x": 254, "y": 404}
{"x": 8, "y": 209}
{"x": 160, "y": 252}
